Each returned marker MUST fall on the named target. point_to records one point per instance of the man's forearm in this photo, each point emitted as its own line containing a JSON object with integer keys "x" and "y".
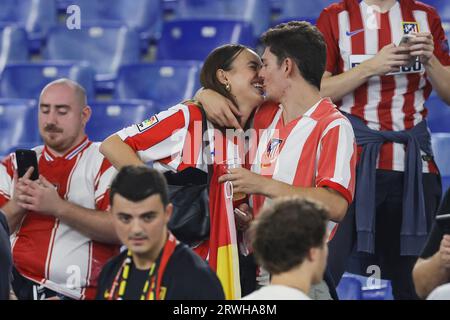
{"x": 96, "y": 225}
{"x": 439, "y": 77}
{"x": 336, "y": 204}
{"x": 119, "y": 153}
{"x": 342, "y": 84}
{"x": 14, "y": 215}
{"x": 429, "y": 274}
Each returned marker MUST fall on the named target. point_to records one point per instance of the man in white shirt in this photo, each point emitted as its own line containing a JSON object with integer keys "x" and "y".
{"x": 289, "y": 241}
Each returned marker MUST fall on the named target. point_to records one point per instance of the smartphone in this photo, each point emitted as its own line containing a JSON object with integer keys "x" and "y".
{"x": 240, "y": 212}
{"x": 26, "y": 159}
{"x": 443, "y": 221}
{"x": 406, "y": 40}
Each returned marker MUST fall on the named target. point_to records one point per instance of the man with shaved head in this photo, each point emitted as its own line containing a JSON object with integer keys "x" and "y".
{"x": 62, "y": 233}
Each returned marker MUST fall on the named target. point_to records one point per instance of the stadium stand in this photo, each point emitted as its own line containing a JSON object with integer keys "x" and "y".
{"x": 26, "y": 80}
{"x": 166, "y": 83}
{"x": 441, "y": 148}
{"x": 438, "y": 114}
{"x": 18, "y": 124}
{"x": 144, "y": 16}
{"x": 111, "y": 116}
{"x": 35, "y": 16}
{"x": 256, "y": 12}
{"x": 301, "y": 10}
{"x": 356, "y": 287}
{"x": 13, "y": 45}
{"x": 105, "y": 48}
{"x": 194, "y": 39}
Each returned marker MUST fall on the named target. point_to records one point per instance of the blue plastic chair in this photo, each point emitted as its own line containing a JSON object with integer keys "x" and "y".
{"x": 26, "y": 80}
{"x": 164, "y": 82}
{"x": 302, "y": 10}
{"x": 348, "y": 289}
{"x": 256, "y": 12}
{"x": 35, "y": 16}
{"x": 18, "y": 124}
{"x": 108, "y": 117}
{"x": 195, "y": 39}
{"x": 13, "y": 45}
{"x": 441, "y": 149}
{"x": 105, "y": 48}
{"x": 145, "y": 16}
{"x": 438, "y": 114}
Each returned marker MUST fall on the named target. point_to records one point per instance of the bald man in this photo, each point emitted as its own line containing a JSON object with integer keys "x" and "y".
{"x": 62, "y": 232}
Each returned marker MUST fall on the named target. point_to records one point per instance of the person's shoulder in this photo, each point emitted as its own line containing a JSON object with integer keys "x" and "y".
{"x": 184, "y": 255}
{"x": 421, "y": 6}
{"x": 333, "y": 9}
{"x": 114, "y": 262}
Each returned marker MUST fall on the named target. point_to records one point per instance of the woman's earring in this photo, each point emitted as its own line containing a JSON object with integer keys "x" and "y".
{"x": 228, "y": 87}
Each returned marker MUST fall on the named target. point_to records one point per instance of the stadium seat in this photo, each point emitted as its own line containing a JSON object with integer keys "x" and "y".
{"x": 302, "y": 10}
{"x": 13, "y": 45}
{"x": 164, "y": 82}
{"x": 441, "y": 149}
{"x": 194, "y": 39}
{"x": 26, "y": 80}
{"x": 109, "y": 117}
{"x": 256, "y": 12}
{"x": 438, "y": 114}
{"x": 105, "y": 48}
{"x": 348, "y": 288}
{"x": 145, "y": 16}
{"x": 18, "y": 124}
{"x": 35, "y": 16}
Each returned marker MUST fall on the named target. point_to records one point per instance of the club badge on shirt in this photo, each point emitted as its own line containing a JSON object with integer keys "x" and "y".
{"x": 410, "y": 27}
{"x": 272, "y": 151}
{"x": 147, "y": 124}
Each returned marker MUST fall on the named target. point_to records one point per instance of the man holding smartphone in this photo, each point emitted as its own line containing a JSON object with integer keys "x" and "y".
{"x": 433, "y": 267}
{"x": 62, "y": 233}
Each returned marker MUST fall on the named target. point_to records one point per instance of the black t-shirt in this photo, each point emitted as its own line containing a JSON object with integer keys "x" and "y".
{"x": 5, "y": 259}
{"x": 435, "y": 237}
{"x": 187, "y": 277}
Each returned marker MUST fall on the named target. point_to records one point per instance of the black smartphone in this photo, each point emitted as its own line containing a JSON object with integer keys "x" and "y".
{"x": 443, "y": 221}
{"x": 26, "y": 159}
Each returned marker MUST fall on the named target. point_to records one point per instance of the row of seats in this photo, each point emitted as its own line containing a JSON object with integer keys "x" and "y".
{"x": 165, "y": 83}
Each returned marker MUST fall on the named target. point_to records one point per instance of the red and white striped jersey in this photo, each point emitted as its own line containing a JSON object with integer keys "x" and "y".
{"x": 355, "y": 32}
{"x": 45, "y": 249}
{"x": 173, "y": 140}
{"x": 315, "y": 150}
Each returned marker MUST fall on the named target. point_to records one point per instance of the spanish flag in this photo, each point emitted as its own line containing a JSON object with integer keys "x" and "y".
{"x": 223, "y": 248}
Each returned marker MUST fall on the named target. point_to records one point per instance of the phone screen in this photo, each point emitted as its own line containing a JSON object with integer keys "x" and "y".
{"x": 26, "y": 159}
{"x": 443, "y": 221}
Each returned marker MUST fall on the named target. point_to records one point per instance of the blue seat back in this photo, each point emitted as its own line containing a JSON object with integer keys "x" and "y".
{"x": 105, "y": 48}
{"x": 165, "y": 82}
{"x": 441, "y": 149}
{"x": 108, "y": 117}
{"x": 302, "y": 10}
{"x": 256, "y": 12}
{"x": 195, "y": 39}
{"x": 438, "y": 114}
{"x": 13, "y": 44}
{"x": 26, "y": 80}
{"x": 18, "y": 123}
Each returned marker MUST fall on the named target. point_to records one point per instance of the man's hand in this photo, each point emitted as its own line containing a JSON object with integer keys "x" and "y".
{"x": 40, "y": 196}
{"x": 422, "y": 46}
{"x": 19, "y": 186}
{"x": 245, "y": 181}
{"x": 389, "y": 59}
{"x": 244, "y": 216}
{"x": 444, "y": 252}
{"x": 218, "y": 109}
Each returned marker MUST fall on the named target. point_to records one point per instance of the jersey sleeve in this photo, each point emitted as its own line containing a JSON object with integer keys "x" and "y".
{"x": 162, "y": 136}
{"x": 102, "y": 185}
{"x": 325, "y": 25}
{"x": 441, "y": 49}
{"x": 337, "y": 159}
{"x": 6, "y": 179}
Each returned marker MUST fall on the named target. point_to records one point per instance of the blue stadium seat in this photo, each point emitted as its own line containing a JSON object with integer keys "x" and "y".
{"x": 105, "y": 48}
{"x": 35, "y": 16}
{"x": 195, "y": 39}
{"x": 145, "y": 16}
{"x": 256, "y": 12}
{"x": 109, "y": 117}
{"x": 441, "y": 149}
{"x": 348, "y": 288}
{"x": 18, "y": 124}
{"x": 302, "y": 10}
{"x": 26, "y": 80}
{"x": 13, "y": 45}
{"x": 164, "y": 82}
{"x": 438, "y": 114}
